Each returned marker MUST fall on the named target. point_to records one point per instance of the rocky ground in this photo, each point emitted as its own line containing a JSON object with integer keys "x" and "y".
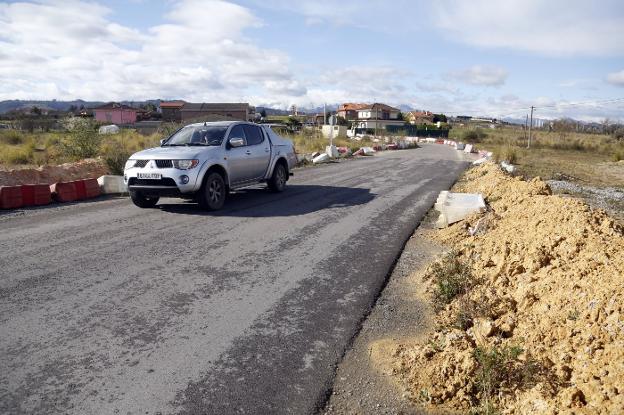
{"x": 611, "y": 199}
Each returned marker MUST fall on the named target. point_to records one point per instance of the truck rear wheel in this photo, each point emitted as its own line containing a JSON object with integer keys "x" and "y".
{"x": 212, "y": 194}
{"x": 277, "y": 182}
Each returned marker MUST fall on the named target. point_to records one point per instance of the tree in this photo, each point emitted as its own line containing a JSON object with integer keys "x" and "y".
{"x": 293, "y": 123}
{"x": 439, "y": 117}
{"x": 263, "y": 113}
{"x": 340, "y": 120}
{"x": 35, "y": 110}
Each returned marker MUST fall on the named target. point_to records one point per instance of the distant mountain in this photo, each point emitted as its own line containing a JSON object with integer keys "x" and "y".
{"x": 16, "y": 104}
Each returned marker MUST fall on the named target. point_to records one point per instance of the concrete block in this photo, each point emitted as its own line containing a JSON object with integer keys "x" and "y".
{"x": 112, "y": 184}
{"x": 454, "y": 207}
{"x": 322, "y": 158}
{"x": 332, "y": 151}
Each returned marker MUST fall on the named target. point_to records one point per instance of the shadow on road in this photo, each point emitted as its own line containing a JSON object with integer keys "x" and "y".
{"x": 295, "y": 200}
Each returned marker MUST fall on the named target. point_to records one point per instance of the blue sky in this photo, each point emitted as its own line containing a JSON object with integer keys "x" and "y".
{"x": 474, "y": 57}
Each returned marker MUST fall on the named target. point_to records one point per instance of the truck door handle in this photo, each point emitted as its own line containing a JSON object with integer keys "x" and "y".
{"x": 266, "y": 150}
{"x": 247, "y": 152}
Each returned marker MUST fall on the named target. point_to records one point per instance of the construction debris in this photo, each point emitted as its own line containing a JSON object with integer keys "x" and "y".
{"x": 321, "y": 158}
{"x": 508, "y": 167}
{"x": 454, "y": 207}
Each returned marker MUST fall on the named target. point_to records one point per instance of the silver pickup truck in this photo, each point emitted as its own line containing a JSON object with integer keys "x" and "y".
{"x": 205, "y": 161}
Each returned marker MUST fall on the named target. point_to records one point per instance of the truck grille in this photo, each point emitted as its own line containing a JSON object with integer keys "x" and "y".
{"x": 165, "y": 181}
{"x": 164, "y": 164}
{"x": 140, "y": 163}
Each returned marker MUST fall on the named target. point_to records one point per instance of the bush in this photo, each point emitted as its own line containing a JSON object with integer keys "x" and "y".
{"x": 11, "y": 137}
{"x": 618, "y": 155}
{"x": 115, "y": 157}
{"x": 501, "y": 367}
{"x": 474, "y": 136}
{"x": 507, "y": 153}
{"x": 16, "y": 155}
{"x": 451, "y": 277}
{"x": 83, "y": 141}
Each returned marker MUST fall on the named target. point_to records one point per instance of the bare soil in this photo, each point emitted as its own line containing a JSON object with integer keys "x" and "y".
{"x": 551, "y": 282}
{"x": 84, "y": 169}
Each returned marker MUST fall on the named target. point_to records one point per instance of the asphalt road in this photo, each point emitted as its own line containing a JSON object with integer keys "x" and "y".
{"x": 107, "y": 308}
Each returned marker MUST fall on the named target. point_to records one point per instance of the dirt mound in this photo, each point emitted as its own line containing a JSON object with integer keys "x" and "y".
{"x": 90, "y": 168}
{"x": 541, "y": 327}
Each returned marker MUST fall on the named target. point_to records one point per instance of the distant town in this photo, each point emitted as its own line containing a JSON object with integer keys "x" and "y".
{"x": 147, "y": 116}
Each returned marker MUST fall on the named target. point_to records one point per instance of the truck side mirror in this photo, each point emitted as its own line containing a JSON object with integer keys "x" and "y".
{"x": 236, "y": 142}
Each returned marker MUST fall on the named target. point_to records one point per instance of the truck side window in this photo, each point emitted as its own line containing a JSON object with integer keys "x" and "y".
{"x": 254, "y": 135}
{"x": 238, "y": 132}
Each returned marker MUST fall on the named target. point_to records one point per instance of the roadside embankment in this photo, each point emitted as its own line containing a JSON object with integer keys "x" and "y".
{"x": 52, "y": 174}
{"x": 529, "y": 307}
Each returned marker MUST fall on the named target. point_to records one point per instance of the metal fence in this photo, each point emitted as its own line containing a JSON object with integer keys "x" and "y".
{"x": 414, "y": 131}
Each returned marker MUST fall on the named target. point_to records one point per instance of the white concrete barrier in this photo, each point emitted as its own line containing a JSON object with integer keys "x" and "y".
{"x": 322, "y": 158}
{"x": 112, "y": 184}
{"x": 368, "y": 151}
{"x": 454, "y": 207}
{"x": 332, "y": 151}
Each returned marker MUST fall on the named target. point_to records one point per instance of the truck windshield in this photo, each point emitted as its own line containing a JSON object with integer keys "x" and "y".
{"x": 197, "y": 136}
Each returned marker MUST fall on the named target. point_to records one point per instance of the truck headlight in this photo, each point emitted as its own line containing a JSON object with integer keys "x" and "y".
{"x": 129, "y": 164}
{"x": 185, "y": 164}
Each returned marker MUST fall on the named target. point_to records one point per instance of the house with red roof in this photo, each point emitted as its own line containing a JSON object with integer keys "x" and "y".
{"x": 116, "y": 113}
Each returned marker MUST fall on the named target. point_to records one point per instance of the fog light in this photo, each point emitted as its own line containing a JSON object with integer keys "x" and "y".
{"x": 184, "y": 179}
{"x": 125, "y": 178}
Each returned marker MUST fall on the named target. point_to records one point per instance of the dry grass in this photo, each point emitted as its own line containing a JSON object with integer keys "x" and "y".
{"x": 582, "y": 157}
{"x": 23, "y": 149}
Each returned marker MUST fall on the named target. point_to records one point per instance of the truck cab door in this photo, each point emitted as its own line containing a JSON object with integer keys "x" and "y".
{"x": 258, "y": 151}
{"x": 238, "y": 166}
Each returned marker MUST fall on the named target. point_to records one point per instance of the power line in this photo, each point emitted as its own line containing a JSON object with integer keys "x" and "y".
{"x": 523, "y": 110}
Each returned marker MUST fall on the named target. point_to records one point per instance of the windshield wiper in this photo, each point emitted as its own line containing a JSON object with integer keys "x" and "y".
{"x": 173, "y": 145}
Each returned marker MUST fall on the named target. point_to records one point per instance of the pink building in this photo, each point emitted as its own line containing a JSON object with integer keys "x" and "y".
{"x": 114, "y": 113}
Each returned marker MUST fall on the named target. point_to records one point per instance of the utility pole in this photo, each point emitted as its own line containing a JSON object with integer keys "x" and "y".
{"x": 530, "y": 127}
{"x": 376, "y": 120}
{"x": 526, "y": 128}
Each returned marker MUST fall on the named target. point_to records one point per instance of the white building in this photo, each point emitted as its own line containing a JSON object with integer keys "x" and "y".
{"x": 378, "y": 116}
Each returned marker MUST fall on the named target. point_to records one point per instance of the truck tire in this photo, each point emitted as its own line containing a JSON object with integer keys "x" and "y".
{"x": 277, "y": 182}
{"x": 212, "y": 194}
{"x": 143, "y": 201}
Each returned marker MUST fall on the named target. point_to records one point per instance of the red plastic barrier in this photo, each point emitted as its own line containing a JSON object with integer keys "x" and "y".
{"x": 10, "y": 197}
{"x": 92, "y": 188}
{"x": 87, "y": 188}
{"x": 36, "y": 194}
{"x": 64, "y": 191}
{"x": 81, "y": 190}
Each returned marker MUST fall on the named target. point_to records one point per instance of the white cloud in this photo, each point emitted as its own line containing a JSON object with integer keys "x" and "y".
{"x": 616, "y": 78}
{"x": 69, "y": 50}
{"x": 559, "y": 27}
{"x": 481, "y": 75}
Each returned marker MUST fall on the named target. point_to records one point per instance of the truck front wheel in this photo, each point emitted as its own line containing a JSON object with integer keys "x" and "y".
{"x": 143, "y": 201}
{"x": 212, "y": 194}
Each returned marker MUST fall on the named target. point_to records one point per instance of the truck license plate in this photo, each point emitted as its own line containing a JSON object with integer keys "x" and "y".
{"x": 153, "y": 176}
